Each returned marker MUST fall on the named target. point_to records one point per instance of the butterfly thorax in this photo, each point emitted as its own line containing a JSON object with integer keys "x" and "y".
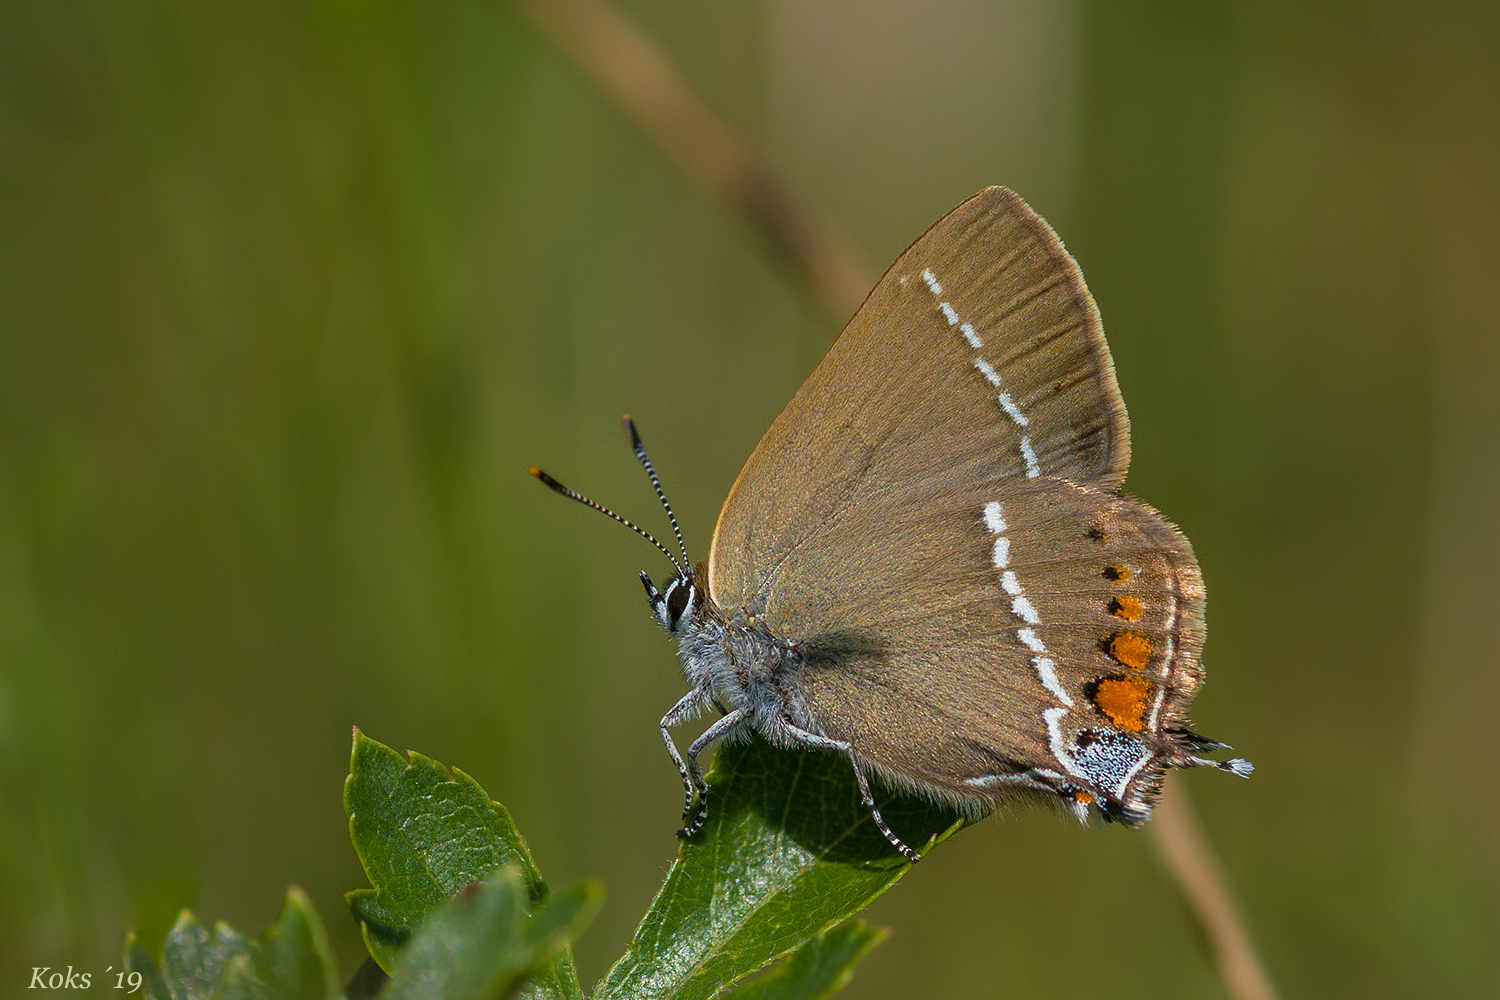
{"x": 733, "y": 663}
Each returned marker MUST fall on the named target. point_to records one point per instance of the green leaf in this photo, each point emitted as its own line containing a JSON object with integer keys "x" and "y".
{"x": 422, "y": 832}
{"x": 788, "y": 852}
{"x": 483, "y": 945}
{"x": 138, "y": 959}
{"x": 368, "y": 980}
{"x": 289, "y": 961}
{"x": 192, "y": 960}
{"x": 819, "y": 968}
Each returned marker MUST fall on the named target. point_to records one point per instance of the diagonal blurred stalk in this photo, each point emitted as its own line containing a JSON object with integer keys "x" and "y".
{"x": 1185, "y": 850}
{"x": 632, "y": 72}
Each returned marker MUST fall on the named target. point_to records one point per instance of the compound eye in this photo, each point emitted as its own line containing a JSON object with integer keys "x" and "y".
{"x": 678, "y": 601}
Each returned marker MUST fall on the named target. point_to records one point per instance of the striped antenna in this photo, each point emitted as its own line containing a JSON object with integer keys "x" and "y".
{"x": 558, "y": 487}
{"x": 640, "y": 453}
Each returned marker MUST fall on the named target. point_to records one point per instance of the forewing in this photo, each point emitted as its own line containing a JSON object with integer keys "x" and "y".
{"x": 979, "y": 355}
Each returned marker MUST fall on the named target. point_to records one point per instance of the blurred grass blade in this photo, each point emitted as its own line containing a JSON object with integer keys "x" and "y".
{"x": 632, "y": 71}
{"x": 422, "y": 832}
{"x": 788, "y": 851}
{"x": 1184, "y": 848}
{"x": 483, "y": 945}
{"x": 819, "y": 968}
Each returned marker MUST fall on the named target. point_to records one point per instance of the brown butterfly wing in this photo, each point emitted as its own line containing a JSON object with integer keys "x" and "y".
{"x": 976, "y": 372}
{"x": 899, "y": 395}
{"x": 952, "y": 692}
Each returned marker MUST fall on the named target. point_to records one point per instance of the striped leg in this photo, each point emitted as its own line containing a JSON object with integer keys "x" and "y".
{"x": 720, "y": 729}
{"x": 684, "y": 711}
{"x": 824, "y": 743}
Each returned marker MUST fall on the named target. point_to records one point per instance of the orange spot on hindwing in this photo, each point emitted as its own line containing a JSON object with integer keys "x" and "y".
{"x": 1123, "y": 701}
{"x": 1130, "y": 648}
{"x": 1117, "y": 573}
{"x": 1126, "y": 607}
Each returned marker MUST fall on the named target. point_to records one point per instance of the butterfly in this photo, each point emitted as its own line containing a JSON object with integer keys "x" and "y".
{"x": 927, "y": 564}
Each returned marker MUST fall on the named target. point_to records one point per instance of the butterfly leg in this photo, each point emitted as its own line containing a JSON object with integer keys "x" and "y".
{"x": 684, "y": 711}
{"x": 868, "y": 800}
{"x": 720, "y": 729}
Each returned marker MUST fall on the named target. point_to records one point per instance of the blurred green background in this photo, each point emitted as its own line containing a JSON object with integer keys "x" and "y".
{"x": 291, "y": 293}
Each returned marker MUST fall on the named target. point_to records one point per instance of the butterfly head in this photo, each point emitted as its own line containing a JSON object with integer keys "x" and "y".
{"x": 677, "y": 605}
